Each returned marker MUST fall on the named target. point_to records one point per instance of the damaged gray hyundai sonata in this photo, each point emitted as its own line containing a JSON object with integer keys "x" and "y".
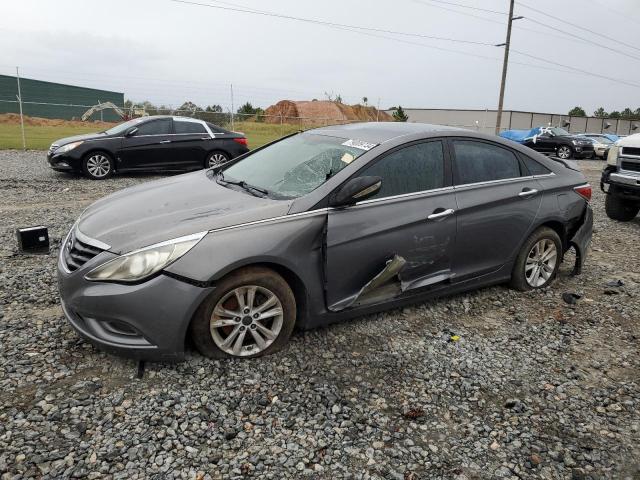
{"x": 317, "y": 227}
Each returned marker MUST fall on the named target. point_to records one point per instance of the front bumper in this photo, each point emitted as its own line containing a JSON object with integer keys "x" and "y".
{"x": 583, "y": 151}
{"x": 581, "y": 240}
{"x": 625, "y": 184}
{"x": 146, "y": 321}
{"x": 62, "y": 162}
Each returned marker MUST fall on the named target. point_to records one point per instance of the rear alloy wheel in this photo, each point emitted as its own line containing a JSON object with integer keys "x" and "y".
{"x": 565, "y": 152}
{"x": 250, "y": 313}
{"x": 538, "y": 261}
{"x": 619, "y": 209}
{"x": 216, "y": 158}
{"x": 97, "y": 166}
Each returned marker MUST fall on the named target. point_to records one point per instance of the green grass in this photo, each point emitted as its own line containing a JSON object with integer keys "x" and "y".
{"x": 40, "y": 137}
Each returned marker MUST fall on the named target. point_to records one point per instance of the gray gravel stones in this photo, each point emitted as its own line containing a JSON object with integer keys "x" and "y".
{"x": 534, "y": 387}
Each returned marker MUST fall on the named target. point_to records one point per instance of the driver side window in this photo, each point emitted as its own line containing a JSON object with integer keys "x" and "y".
{"x": 411, "y": 169}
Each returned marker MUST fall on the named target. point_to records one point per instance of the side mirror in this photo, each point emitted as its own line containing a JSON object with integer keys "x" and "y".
{"x": 356, "y": 190}
{"x": 131, "y": 132}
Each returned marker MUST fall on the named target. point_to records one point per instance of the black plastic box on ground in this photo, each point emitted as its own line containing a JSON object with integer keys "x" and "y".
{"x": 33, "y": 239}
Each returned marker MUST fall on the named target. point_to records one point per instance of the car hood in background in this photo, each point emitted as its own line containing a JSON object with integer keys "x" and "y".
{"x": 161, "y": 210}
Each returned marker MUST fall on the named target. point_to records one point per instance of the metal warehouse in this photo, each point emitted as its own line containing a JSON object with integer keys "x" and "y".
{"x": 485, "y": 120}
{"x": 55, "y": 100}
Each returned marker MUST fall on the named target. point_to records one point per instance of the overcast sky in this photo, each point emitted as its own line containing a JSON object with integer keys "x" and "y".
{"x": 169, "y": 52}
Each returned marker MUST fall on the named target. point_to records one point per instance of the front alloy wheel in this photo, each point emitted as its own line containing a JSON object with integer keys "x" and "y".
{"x": 250, "y": 313}
{"x": 246, "y": 320}
{"x": 98, "y": 166}
{"x": 565, "y": 152}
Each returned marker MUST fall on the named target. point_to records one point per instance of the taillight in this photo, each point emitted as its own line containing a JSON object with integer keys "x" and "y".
{"x": 241, "y": 141}
{"x": 584, "y": 191}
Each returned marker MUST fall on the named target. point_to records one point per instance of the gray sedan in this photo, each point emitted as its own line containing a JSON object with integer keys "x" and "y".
{"x": 317, "y": 227}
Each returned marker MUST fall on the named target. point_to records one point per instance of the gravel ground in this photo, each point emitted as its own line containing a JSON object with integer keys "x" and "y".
{"x": 534, "y": 388}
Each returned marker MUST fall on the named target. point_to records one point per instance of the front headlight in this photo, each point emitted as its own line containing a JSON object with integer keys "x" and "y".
{"x": 575, "y": 142}
{"x": 68, "y": 147}
{"x": 140, "y": 264}
{"x": 612, "y": 158}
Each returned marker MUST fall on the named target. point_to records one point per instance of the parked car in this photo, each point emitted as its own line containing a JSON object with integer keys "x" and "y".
{"x": 557, "y": 141}
{"x": 317, "y": 227}
{"x": 155, "y": 143}
{"x": 601, "y": 144}
{"x": 621, "y": 179}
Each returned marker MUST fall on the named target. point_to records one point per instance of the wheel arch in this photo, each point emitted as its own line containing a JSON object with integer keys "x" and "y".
{"x": 297, "y": 285}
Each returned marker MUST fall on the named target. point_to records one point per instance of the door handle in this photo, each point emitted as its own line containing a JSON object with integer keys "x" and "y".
{"x": 443, "y": 214}
{"x": 165, "y": 141}
{"x": 527, "y": 192}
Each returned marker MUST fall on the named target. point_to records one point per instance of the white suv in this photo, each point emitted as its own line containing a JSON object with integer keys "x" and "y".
{"x": 621, "y": 179}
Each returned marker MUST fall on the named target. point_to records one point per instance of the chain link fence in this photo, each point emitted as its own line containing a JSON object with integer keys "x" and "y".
{"x": 30, "y": 131}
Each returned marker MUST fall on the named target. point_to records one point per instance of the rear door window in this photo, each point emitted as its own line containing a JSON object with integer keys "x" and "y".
{"x": 415, "y": 168}
{"x": 483, "y": 162}
{"x": 188, "y": 127}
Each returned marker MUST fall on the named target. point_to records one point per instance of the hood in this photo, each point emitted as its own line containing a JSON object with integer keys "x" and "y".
{"x": 75, "y": 138}
{"x": 161, "y": 210}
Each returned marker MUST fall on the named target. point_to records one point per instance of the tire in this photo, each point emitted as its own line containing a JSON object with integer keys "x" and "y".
{"x": 98, "y": 165}
{"x": 523, "y": 276}
{"x": 619, "y": 209}
{"x": 223, "y": 306}
{"x": 565, "y": 152}
{"x": 216, "y": 158}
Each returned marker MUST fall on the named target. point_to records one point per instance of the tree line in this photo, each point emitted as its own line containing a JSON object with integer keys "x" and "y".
{"x": 626, "y": 114}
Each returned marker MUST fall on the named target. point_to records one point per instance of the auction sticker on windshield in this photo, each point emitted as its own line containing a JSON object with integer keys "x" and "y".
{"x": 362, "y": 145}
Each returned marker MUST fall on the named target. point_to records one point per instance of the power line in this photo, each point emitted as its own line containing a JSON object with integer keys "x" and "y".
{"x": 577, "y": 26}
{"x": 465, "y": 6}
{"x": 568, "y": 68}
{"x": 331, "y": 24}
{"x": 578, "y": 70}
{"x": 616, "y": 12}
{"x": 563, "y": 35}
{"x": 585, "y": 40}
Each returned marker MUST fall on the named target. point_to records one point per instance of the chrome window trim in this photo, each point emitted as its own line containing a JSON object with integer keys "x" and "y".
{"x": 405, "y": 195}
{"x": 272, "y": 219}
{"x": 503, "y": 180}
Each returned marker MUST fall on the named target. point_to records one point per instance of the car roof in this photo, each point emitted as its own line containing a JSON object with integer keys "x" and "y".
{"x": 175, "y": 117}
{"x": 380, "y": 132}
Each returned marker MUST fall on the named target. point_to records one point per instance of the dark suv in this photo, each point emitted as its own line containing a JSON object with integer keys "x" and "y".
{"x": 557, "y": 141}
{"x": 148, "y": 143}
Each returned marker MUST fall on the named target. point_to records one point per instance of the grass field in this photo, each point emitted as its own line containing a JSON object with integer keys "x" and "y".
{"x": 40, "y": 137}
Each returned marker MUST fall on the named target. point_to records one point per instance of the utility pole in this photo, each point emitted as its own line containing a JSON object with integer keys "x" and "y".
{"x": 505, "y": 64}
{"x": 24, "y": 142}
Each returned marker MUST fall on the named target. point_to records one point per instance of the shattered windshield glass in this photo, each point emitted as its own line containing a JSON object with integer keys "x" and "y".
{"x": 296, "y": 165}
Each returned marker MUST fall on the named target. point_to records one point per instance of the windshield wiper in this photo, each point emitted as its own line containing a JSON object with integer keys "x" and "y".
{"x": 244, "y": 185}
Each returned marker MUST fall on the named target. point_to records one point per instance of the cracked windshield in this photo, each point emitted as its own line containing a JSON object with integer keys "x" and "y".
{"x": 296, "y": 165}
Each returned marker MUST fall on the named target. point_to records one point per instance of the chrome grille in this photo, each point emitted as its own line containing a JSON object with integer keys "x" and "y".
{"x": 634, "y": 151}
{"x": 77, "y": 253}
{"x": 632, "y": 166}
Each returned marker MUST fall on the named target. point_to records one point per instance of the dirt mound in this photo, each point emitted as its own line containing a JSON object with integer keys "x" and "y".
{"x": 14, "y": 118}
{"x": 322, "y": 112}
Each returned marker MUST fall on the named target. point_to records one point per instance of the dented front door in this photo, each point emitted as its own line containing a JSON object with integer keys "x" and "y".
{"x": 363, "y": 239}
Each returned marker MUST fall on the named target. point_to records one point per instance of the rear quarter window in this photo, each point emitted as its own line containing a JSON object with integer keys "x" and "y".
{"x": 534, "y": 167}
